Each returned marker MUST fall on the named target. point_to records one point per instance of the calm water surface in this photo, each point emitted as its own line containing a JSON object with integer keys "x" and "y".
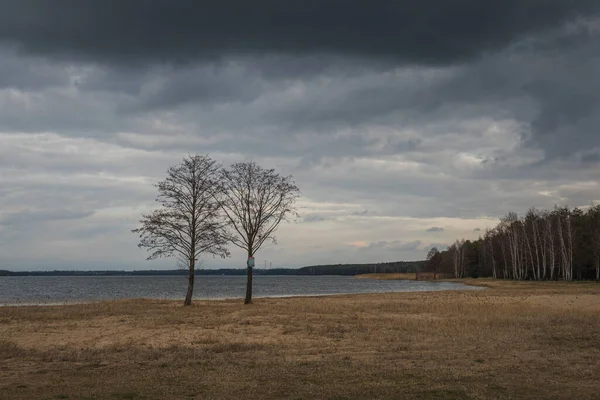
{"x": 72, "y": 289}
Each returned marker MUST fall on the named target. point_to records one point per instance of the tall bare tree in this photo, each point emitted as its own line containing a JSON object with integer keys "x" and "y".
{"x": 255, "y": 201}
{"x": 489, "y": 238}
{"x": 594, "y": 226}
{"x": 188, "y": 222}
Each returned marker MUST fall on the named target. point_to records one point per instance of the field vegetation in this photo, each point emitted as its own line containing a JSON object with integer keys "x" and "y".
{"x": 406, "y": 276}
{"x": 514, "y": 340}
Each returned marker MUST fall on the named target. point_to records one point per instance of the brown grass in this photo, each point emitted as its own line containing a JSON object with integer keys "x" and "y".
{"x": 516, "y": 340}
{"x": 405, "y": 276}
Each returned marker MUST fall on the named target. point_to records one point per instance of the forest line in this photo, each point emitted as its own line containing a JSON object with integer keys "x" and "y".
{"x": 559, "y": 244}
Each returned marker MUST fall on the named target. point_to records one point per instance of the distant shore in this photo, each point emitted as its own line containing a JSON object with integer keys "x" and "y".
{"x": 326, "y": 269}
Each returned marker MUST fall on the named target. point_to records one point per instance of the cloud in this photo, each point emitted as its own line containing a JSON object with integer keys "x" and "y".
{"x": 394, "y": 118}
{"x": 395, "y": 246}
{"x": 143, "y": 30}
{"x": 30, "y": 73}
{"x": 362, "y": 212}
{"x": 28, "y": 216}
{"x": 435, "y": 229}
{"x": 313, "y": 218}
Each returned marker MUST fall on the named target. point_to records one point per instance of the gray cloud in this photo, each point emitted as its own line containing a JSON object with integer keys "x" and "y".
{"x": 395, "y": 246}
{"x": 435, "y": 229}
{"x": 362, "y": 212}
{"x": 590, "y": 158}
{"x": 30, "y": 73}
{"x": 244, "y": 95}
{"x": 28, "y": 216}
{"x": 313, "y": 218}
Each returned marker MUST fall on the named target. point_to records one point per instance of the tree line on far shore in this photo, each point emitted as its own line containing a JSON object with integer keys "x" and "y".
{"x": 559, "y": 244}
{"x": 357, "y": 269}
{"x": 329, "y": 269}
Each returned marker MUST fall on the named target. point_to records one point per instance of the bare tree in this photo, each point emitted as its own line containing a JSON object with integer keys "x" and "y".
{"x": 188, "y": 222}
{"x": 563, "y": 249}
{"x": 533, "y": 216}
{"x": 455, "y": 251}
{"x": 433, "y": 260}
{"x": 549, "y": 239}
{"x": 489, "y": 238}
{"x": 255, "y": 201}
{"x": 594, "y": 223}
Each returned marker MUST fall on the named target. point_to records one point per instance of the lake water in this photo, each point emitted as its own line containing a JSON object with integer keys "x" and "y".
{"x": 72, "y": 289}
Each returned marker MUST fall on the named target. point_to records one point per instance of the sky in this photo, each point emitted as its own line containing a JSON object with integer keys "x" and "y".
{"x": 405, "y": 124}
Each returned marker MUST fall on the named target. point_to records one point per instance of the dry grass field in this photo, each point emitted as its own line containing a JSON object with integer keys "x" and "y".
{"x": 516, "y": 340}
{"x": 404, "y": 276}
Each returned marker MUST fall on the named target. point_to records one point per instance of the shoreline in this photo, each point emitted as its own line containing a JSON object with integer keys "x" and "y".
{"x": 472, "y": 284}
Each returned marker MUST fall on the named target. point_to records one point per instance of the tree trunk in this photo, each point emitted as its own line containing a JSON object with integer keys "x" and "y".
{"x": 504, "y": 258}
{"x": 491, "y": 243}
{"x": 536, "y": 240}
{"x": 569, "y": 229}
{"x": 528, "y": 248}
{"x": 248, "y": 299}
{"x": 190, "y": 290}
{"x": 455, "y": 260}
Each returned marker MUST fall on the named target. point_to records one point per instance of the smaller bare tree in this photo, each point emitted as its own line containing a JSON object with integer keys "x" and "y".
{"x": 434, "y": 259}
{"x": 188, "y": 223}
{"x": 255, "y": 201}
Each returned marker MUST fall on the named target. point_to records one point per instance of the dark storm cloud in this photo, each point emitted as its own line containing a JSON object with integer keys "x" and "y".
{"x": 427, "y": 31}
{"x": 591, "y": 158}
{"x": 29, "y": 73}
{"x": 344, "y": 62}
{"x": 207, "y": 84}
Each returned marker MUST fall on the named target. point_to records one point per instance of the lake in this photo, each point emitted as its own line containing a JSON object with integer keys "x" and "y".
{"x": 22, "y": 290}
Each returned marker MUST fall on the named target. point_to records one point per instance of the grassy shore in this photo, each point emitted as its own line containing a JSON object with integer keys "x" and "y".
{"x": 404, "y": 276}
{"x": 516, "y": 340}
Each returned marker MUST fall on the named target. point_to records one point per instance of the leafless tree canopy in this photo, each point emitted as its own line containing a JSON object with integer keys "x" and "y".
{"x": 188, "y": 222}
{"x": 432, "y": 253}
{"x": 255, "y": 201}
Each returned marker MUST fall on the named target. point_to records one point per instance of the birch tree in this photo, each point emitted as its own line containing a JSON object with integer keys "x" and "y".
{"x": 559, "y": 244}
{"x": 489, "y": 239}
{"x": 255, "y": 201}
{"x": 188, "y": 222}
